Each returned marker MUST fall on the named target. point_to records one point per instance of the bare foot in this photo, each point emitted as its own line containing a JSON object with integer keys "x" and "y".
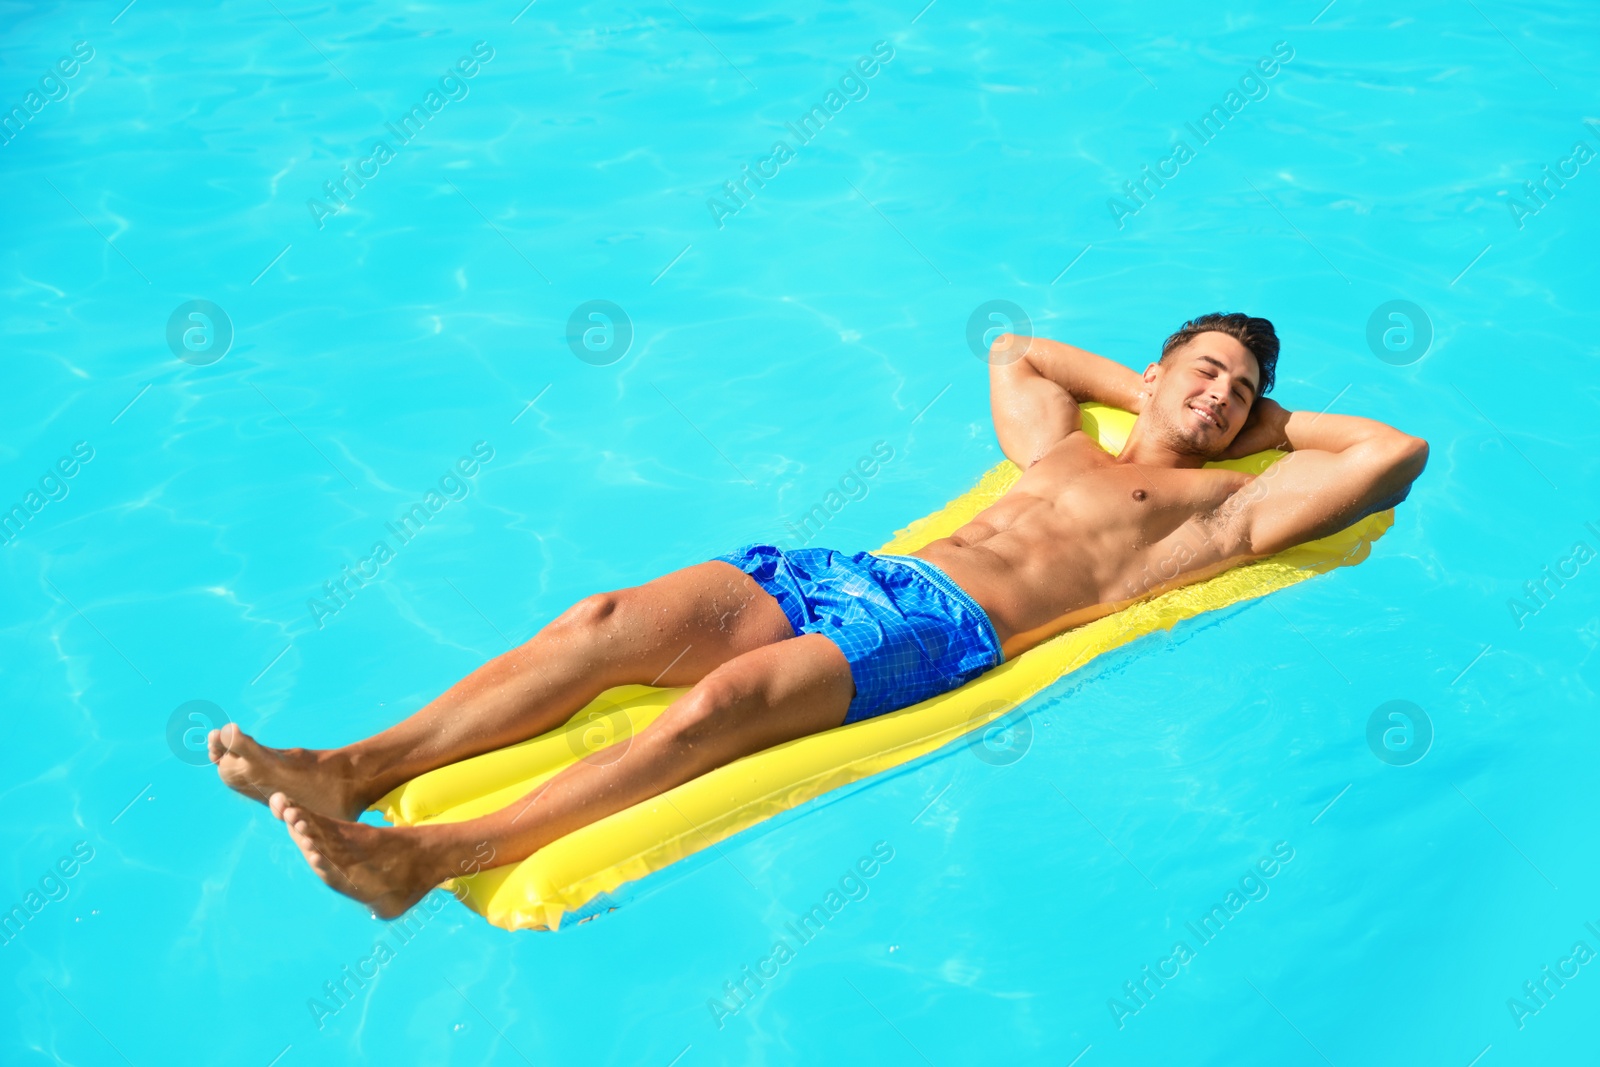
{"x": 387, "y": 868}
{"x": 318, "y": 782}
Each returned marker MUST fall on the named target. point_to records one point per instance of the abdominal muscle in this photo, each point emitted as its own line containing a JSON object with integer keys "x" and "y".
{"x": 1082, "y": 538}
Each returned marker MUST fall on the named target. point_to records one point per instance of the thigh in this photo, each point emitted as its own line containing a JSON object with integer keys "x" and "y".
{"x": 762, "y": 698}
{"x": 678, "y": 628}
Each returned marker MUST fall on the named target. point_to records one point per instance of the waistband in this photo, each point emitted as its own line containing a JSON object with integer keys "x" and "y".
{"x": 947, "y": 585}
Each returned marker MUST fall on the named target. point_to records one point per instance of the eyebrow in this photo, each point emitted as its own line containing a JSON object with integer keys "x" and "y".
{"x": 1217, "y": 363}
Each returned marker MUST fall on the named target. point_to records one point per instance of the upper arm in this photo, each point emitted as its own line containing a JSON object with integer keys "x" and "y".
{"x": 1313, "y": 493}
{"x": 1031, "y": 412}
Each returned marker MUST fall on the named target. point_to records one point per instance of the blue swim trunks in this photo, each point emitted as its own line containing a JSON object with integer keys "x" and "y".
{"x": 907, "y": 630}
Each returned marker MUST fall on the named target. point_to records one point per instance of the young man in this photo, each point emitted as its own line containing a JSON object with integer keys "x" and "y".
{"x": 777, "y": 645}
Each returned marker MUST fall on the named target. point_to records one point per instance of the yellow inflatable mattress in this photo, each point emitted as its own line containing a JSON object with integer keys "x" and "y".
{"x": 573, "y": 876}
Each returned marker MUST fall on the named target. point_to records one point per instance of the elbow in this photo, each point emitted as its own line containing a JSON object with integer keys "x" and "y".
{"x": 1006, "y": 349}
{"x": 1399, "y": 455}
{"x": 1406, "y": 461}
{"x": 1395, "y": 468}
{"x": 1413, "y": 453}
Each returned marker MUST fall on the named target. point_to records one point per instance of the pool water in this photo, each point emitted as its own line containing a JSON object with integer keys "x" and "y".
{"x": 1401, "y": 875}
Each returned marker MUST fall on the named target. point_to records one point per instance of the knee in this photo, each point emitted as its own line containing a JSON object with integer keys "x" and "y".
{"x": 590, "y": 613}
{"x": 699, "y": 713}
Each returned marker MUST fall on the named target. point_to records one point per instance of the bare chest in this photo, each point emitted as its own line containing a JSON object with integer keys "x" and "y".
{"x": 1081, "y": 532}
{"x": 1092, "y": 493}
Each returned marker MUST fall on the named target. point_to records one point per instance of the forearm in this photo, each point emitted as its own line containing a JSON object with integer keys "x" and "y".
{"x": 1084, "y": 375}
{"x": 1273, "y": 426}
{"x": 1332, "y": 433}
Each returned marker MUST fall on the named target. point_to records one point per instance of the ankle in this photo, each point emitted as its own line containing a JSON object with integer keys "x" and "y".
{"x": 355, "y": 773}
{"x": 445, "y": 853}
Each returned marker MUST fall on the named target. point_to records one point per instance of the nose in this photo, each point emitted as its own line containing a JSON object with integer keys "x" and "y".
{"x": 1218, "y": 398}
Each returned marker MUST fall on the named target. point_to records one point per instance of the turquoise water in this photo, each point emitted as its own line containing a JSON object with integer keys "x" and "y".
{"x": 368, "y": 343}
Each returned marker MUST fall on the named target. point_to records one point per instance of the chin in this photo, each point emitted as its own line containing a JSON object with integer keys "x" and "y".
{"x": 1208, "y": 447}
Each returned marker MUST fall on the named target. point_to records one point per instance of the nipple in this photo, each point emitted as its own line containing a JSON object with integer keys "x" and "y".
{"x": 1139, "y": 495}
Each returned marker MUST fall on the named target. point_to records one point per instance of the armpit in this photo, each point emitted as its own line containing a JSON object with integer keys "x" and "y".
{"x": 1223, "y": 527}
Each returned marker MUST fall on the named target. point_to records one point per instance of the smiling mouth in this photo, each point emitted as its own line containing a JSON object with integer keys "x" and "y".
{"x": 1207, "y": 417}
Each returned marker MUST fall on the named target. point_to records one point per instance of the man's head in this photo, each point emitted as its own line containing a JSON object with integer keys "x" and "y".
{"x": 1209, "y": 376}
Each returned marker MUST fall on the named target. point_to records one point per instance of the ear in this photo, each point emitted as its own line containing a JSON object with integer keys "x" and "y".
{"x": 1152, "y": 374}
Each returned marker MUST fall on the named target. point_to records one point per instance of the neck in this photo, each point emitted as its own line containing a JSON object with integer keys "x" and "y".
{"x": 1146, "y": 449}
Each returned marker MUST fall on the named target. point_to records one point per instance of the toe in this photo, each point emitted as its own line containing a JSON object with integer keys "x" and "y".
{"x": 278, "y": 803}
{"x": 303, "y": 826}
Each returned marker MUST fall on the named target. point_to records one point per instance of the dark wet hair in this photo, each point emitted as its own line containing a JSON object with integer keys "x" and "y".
{"x": 1256, "y": 335}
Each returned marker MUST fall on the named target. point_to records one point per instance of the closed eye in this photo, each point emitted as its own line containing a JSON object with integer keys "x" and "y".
{"x": 1237, "y": 392}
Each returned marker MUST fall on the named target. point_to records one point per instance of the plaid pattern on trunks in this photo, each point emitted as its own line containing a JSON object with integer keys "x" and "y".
{"x": 907, "y": 630}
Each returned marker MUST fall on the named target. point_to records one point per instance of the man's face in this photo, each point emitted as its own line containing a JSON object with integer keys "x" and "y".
{"x": 1201, "y": 396}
